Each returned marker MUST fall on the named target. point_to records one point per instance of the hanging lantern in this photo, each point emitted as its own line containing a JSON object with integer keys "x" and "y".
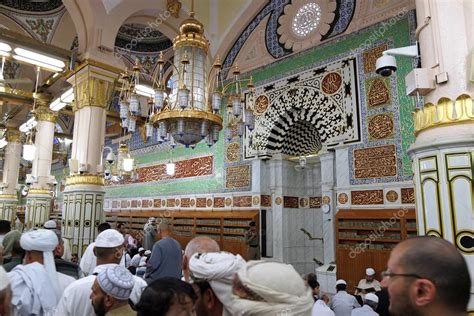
{"x": 249, "y": 119}
{"x": 29, "y": 151}
{"x": 216, "y": 101}
{"x": 170, "y": 168}
{"x": 132, "y": 124}
{"x": 240, "y": 129}
{"x": 128, "y": 164}
{"x": 215, "y": 133}
{"x": 228, "y": 133}
{"x": 236, "y": 106}
{"x": 204, "y": 128}
{"x": 183, "y": 98}
{"x": 149, "y": 130}
{"x": 159, "y": 99}
{"x": 123, "y": 109}
{"x": 162, "y": 130}
{"x": 134, "y": 104}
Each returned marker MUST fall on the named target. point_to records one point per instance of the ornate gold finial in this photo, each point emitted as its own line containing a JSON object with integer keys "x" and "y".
{"x": 13, "y": 136}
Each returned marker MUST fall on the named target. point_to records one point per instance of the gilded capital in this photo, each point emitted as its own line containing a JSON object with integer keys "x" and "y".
{"x": 13, "y": 136}
{"x": 93, "y": 84}
{"x": 85, "y": 180}
{"x": 45, "y": 114}
{"x": 445, "y": 112}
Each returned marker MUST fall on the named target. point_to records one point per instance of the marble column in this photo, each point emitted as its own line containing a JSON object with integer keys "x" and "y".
{"x": 11, "y": 169}
{"x": 443, "y": 153}
{"x": 38, "y": 201}
{"x": 93, "y": 85}
{"x": 328, "y": 204}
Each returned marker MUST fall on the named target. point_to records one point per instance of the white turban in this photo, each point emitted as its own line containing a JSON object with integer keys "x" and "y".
{"x": 271, "y": 288}
{"x": 45, "y": 241}
{"x": 218, "y": 268}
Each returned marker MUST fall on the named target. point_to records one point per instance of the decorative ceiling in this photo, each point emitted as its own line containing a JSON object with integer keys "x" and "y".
{"x": 142, "y": 38}
{"x": 32, "y": 5}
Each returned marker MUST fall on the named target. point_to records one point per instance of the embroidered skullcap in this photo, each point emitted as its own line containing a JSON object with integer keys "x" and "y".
{"x": 50, "y": 224}
{"x": 4, "y": 280}
{"x": 371, "y": 297}
{"x": 148, "y": 252}
{"x": 109, "y": 238}
{"x": 116, "y": 281}
{"x": 369, "y": 271}
{"x": 340, "y": 281}
{"x": 141, "y": 249}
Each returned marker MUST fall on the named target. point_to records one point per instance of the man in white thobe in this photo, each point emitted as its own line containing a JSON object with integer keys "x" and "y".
{"x": 67, "y": 250}
{"x": 370, "y": 305}
{"x": 369, "y": 284}
{"x": 75, "y": 300}
{"x": 35, "y": 286}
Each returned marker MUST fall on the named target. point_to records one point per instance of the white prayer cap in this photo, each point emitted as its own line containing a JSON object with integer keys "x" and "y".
{"x": 4, "y": 280}
{"x": 270, "y": 288}
{"x": 371, "y": 297}
{"x": 116, "y": 281}
{"x": 148, "y": 252}
{"x": 369, "y": 271}
{"x": 43, "y": 240}
{"x": 50, "y": 225}
{"x": 340, "y": 281}
{"x": 109, "y": 238}
{"x": 218, "y": 268}
{"x": 152, "y": 219}
{"x": 141, "y": 249}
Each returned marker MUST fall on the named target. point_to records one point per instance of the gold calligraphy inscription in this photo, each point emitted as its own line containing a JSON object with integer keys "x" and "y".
{"x": 261, "y": 104}
{"x": 185, "y": 202}
{"x": 200, "y": 202}
{"x": 233, "y": 152}
{"x": 380, "y": 126}
{"x": 171, "y": 202}
{"x": 266, "y": 200}
{"x": 237, "y": 177}
{"x": 375, "y": 162}
{"x": 219, "y": 202}
{"x": 315, "y": 202}
{"x": 371, "y": 55}
{"x": 331, "y": 83}
{"x": 408, "y": 196}
{"x": 242, "y": 201}
{"x": 342, "y": 198}
{"x": 290, "y": 201}
{"x": 367, "y": 197}
{"x": 378, "y": 92}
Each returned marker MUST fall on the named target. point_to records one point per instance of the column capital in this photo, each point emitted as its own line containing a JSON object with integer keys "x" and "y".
{"x": 93, "y": 84}
{"x": 445, "y": 112}
{"x": 13, "y": 136}
{"x": 43, "y": 113}
{"x": 85, "y": 180}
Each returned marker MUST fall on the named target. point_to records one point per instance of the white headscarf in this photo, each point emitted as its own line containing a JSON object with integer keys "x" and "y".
{"x": 218, "y": 268}
{"x": 4, "y": 280}
{"x": 45, "y": 241}
{"x": 277, "y": 289}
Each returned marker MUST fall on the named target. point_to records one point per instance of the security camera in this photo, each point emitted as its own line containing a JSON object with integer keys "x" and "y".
{"x": 82, "y": 168}
{"x": 386, "y": 65}
{"x": 107, "y": 174}
{"x": 110, "y": 157}
{"x": 55, "y": 182}
{"x": 25, "y": 190}
{"x": 30, "y": 179}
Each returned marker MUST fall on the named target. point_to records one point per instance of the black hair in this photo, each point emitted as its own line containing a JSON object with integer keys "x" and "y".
{"x": 312, "y": 280}
{"x": 4, "y": 226}
{"x": 159, "y": 295}
{"x": 341, "y": 287}
{"x": 440, "y": 262}
{"x": 252, "y": 223}
{"x": 103, "y": 226}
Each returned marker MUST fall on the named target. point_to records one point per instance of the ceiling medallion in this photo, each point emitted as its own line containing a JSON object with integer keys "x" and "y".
{"x": 304, "y": 23}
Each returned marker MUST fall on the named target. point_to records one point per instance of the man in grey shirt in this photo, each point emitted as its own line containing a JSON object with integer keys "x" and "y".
{"x": 343, "y": 303}
{"x": 166, "y": 257}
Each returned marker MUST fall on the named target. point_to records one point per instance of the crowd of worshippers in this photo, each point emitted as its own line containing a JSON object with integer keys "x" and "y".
{"x": 425, "y": 276}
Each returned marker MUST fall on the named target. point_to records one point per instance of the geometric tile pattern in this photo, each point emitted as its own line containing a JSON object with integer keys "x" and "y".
{"x": 300, "y": 98}
{"x": 301, "y": 139}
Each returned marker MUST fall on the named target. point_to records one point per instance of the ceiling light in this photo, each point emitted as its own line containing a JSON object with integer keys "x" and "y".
{"x": 145, "y": 90}
{"x": 3, "y": 142}
{"x": 5, "y": 47}
{"x": 57, "y": 105}
{"x": 37, "y": 63}
{"x": 40, "y": 58}
{"x": 63, "y": 100}
{"x": 29, "y": 151}
{"x": 128, "y": 164}
{"x": 31, "y": 123}
{"x": 170, "y": 168}
{"x": 68, "y": 96}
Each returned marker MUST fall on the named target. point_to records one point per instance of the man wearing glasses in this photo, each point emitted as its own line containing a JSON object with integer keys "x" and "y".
{"x": 427, "y": 276}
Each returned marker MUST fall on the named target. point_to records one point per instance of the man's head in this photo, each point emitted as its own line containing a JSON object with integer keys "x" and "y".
{"x": 51, "y": 224}
{"x": 427, "y": 276}
{"x": 372, "y": 300}
{"x": 341, "y": 285}
{"x": 213, "y": 275}
{"x": 74, "y": 257}
{"x": 312, "y": 281}
{"x": 253, "y": 226}
{"x": 21, "y": 217}
{"x": 164, "y": 229}
{"x": 121, "y": 228}
{"x": 109, "y": 246}
{"x": 103, "y": 226}
{"x": 369, "y": 274}
{"x": 168, "y": 297}
{"x": 141, "y": 251}
{"x": 5, "y": 293}
{"x": 111, "y": 289}
{"x": 4, "y": 227}
{"x": 59, "y": 250}
{"x": 199, "y": 244}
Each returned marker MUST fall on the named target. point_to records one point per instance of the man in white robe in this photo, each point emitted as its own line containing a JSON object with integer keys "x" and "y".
{"x": 5, "y": 293}
{"x": 54, "y": 227}
{"x": 35, "y": 286}
{"x": 75, "y": 300}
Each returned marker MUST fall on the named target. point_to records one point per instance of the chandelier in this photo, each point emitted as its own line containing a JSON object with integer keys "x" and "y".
{"x": 186, "y": 108}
